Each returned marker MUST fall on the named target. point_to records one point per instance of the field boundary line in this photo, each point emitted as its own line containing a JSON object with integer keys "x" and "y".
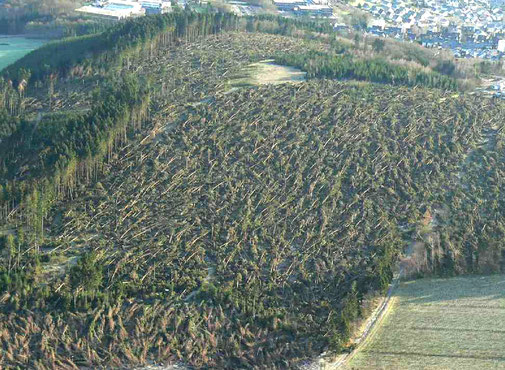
{"x": 376, "y": 318}
{"x": 373, "y": 331}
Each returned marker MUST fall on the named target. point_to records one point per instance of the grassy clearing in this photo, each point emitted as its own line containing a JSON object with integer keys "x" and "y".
{"x": 266, "y": 72}
{"x": 455, "y": 323}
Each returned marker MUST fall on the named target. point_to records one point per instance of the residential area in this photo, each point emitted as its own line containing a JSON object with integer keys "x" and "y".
{"x": 469, "y": 29}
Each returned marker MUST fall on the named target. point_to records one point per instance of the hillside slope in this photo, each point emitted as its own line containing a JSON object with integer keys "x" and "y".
{"x": 278, "y": 207}
{"x": 152, "y": 213}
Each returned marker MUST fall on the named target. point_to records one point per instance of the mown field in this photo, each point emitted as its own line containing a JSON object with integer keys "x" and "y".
{"x": 455, "y": 323}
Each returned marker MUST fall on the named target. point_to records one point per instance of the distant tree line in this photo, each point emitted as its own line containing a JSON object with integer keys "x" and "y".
{"x": 100, "y": 49}
{"x": 323, "y": 65}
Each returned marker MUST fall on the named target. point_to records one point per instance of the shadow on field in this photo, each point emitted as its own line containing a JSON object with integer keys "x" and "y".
{"x": 459, "y": 330}
{"x": 420, "y": 354}
{"x": 470, "y": 291}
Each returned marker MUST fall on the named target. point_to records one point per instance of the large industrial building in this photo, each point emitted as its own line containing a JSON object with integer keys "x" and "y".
{"x": 121, "y": 9}
{"x": 156, "y": 6}
{"x": 306, "y": 7}
{"x": 287, "y": 5}
{"x": 314, "y": 10}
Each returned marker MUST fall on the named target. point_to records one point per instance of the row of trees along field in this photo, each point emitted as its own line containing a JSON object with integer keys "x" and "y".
{"x": 105, "y": 48}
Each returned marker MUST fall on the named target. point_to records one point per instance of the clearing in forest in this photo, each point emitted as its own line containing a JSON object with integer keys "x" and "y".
{"x": 266, "y": 72}
{"x": 456, "y": 323}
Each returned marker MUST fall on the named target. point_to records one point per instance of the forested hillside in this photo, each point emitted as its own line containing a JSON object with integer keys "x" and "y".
{"x": 149, "y": 213}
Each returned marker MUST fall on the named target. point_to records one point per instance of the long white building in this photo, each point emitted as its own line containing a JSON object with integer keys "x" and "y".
{"x": 114, "y": 9}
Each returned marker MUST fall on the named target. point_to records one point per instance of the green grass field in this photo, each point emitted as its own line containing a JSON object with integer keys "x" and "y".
{"x": 13, "y": 48}
{"x": 456, "y": 323}
{"x": 266, "y": 72}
